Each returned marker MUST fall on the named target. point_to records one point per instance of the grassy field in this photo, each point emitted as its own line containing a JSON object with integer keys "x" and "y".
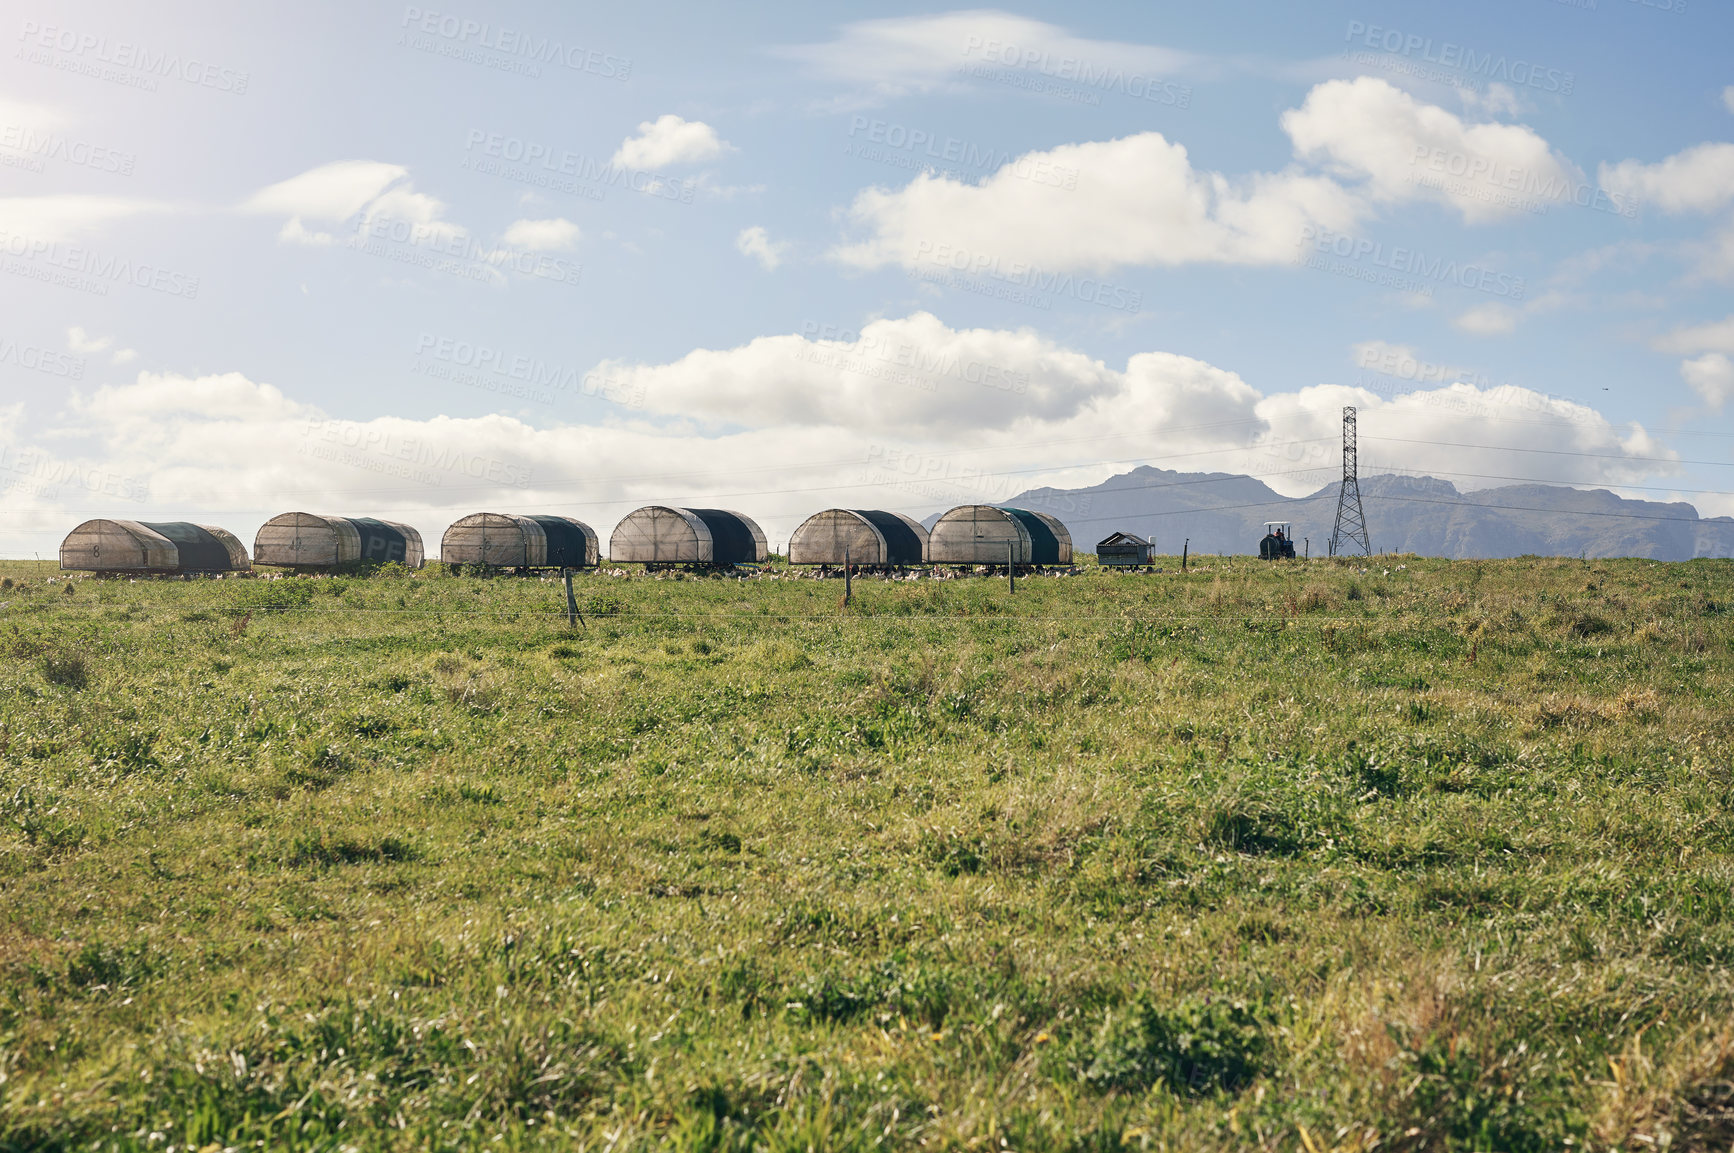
{"x": 1431, "y": 856}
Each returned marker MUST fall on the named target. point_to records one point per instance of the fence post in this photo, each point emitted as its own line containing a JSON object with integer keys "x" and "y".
{"x": 1011, "y": 572}
{"x": 573, "y": 616}
{"x": 1183, "y": 551}
{"x": 848, "y": 579}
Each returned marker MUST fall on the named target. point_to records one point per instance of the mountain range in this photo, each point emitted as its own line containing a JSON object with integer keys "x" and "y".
{"x": 1225, "y": 513}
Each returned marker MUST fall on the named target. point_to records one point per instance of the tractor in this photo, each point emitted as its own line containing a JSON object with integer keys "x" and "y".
{"x": 1278, "y": 542}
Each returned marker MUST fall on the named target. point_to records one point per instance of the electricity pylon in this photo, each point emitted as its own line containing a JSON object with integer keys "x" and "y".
{"x": 1351, "y": 526}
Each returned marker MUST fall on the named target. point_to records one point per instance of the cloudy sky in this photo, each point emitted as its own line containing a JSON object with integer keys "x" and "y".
{"x": 418, "y": 261}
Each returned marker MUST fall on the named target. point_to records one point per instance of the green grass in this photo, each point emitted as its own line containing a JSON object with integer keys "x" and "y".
{"x": 1431, "y": 856}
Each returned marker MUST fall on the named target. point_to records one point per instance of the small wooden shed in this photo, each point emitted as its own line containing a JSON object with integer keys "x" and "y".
{"x": 980, "y": 534}
{"x": 504, "y": 540}
{"x": 1124, "y": 550}
{"x": 863, "y": 536}
{"x": 662, "y": 534}
{"x": 134, "y": 546}
{"x": 309, "y": 540}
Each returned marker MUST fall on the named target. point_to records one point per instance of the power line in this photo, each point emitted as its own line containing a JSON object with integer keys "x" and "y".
{"x": 1605, "y": 486}
{"x": 1555, "y": 451}
{"x": 1712, "y": 522}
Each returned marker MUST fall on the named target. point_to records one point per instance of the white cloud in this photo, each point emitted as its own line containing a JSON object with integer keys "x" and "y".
{"x": 1095, "y": 206}
{"x": 1717, "y": 336}
{"x": 894, "y": 56}
{"x": 294, "y": 232}
{"x": 1460, "y": 430}
{"x": 667, "y": 141}
{"x": 756, "y": 243}
{"x": 542, "y": 235}
{"x": 704, "y": 186}
{"x": 1728, "y": 98}
{"x": 155, "y": 395}
{"x": 891, "y": 375}
{"x": 907, "y": 414}
{"x": 1487, "y": 320}
{"x": 83, "y": 343}
{"x": 1498, "y": 100}
{"x": 1138, "y": 200}
{"x": 332, "y": 192}
{"x": 1372, "y": 353}
{"x": 1699, "y": 179}
{"x": 1020, "y": 399}
{"x": 363, "y": 191}
{"x": 403, "y": 202}
{"x": 1711, "y": 377}
{"x": 1405, "y": 149}
{"x": 40, "y": 116}
{"x": 66, "y": 216}
{"x": 1405, "y": 362}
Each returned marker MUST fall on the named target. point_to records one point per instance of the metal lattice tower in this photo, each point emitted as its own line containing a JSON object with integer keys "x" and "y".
{"x": 1351, "y": 526}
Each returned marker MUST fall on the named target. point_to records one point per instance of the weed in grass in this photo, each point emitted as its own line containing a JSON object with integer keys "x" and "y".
{"x": 484, "y": 794}
{"x": 108, "y": 967}
{"x": 1195, "y": 1046}
{"x": 325, "y": 849}
{"x": 66, "y": 669}
{"x": 722, "y": 842}
{"x": 318, "y": 765}
{"x": 127, "y": 751}
{"x": 42, "y": 823}
{"x": 1268, "y": 811}
{"x": 369, "y": 726}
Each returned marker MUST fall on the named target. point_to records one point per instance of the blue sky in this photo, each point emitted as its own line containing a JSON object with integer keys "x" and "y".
{"x": 421, "y": 260}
